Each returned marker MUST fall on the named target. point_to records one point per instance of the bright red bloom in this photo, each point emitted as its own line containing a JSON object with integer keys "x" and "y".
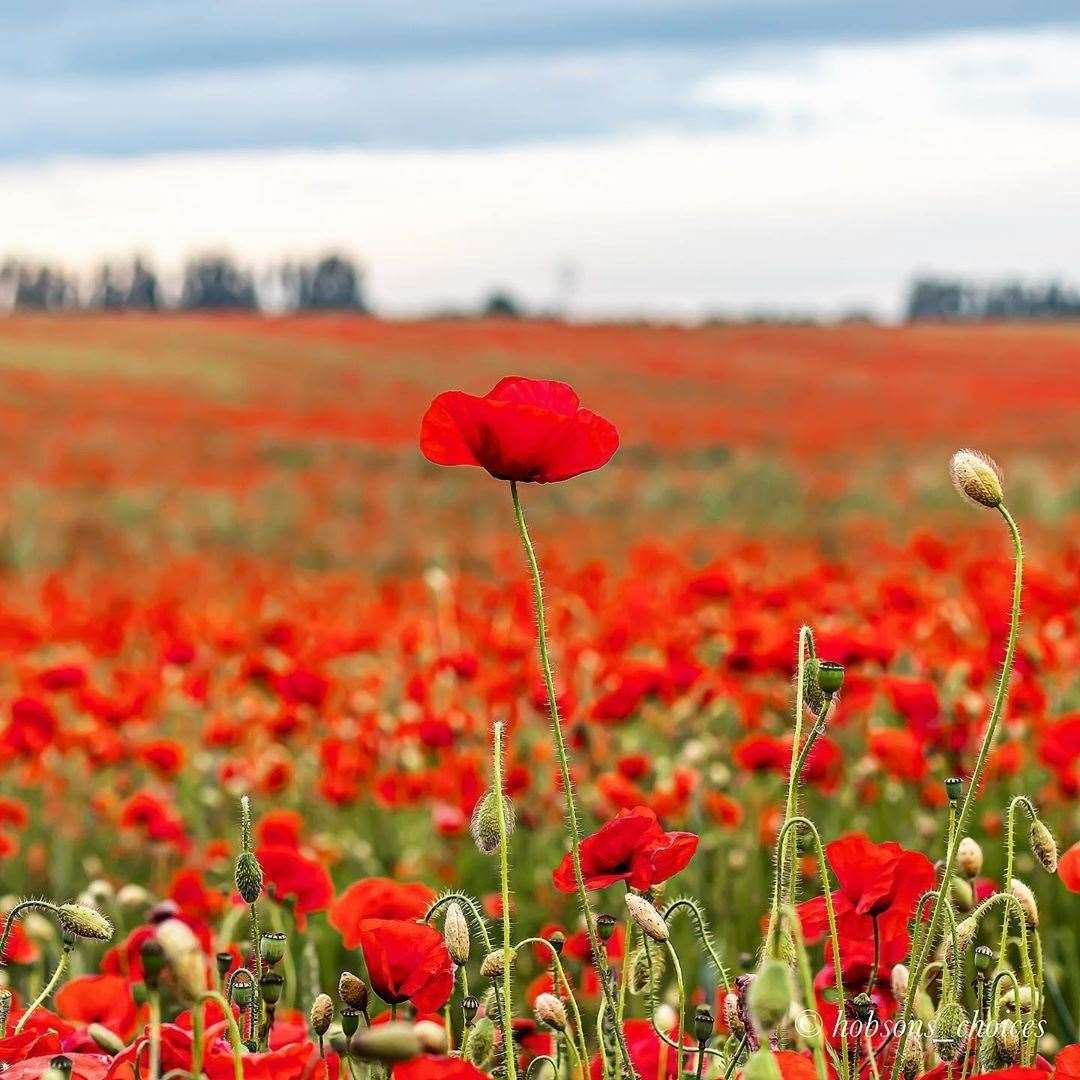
{"x": 437, "y": 1068}
{"x": 1069, "y": 868}
{"x": 407, "y": 961}
{"x": 377, "y": 898}
{"x": 631, "y": 847}
{"x": 523, "y": 429}
{"x": 647, "y": 1052}
{"x": 98, "y": 999}
{"x": 1067, "y": 1063}
{"x": 83, "y": 1067}
{"x": 290, "y": 874}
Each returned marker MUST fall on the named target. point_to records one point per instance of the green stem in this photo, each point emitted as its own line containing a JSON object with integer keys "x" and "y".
{"x": 681, "y": 990}
{"x": 595, "y": 944}
{"x": 972, "y": 791}
{"x": 504, "y": 886}
{"x": 155, "y": 1034}
{"x": 16, "y": 914}
{"x": 46, "y": 993}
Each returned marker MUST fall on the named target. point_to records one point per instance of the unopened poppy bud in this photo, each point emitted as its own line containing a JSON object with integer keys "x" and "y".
{"x": 1006, "y": 1042}
{"x": 963, "y": 896}
{"x": 969, "y": 857}
{"x": 605, "y": 926}
{"x": 963, "y": 939}
{"x": 984, "y": 959}
{"x": 152, "y": 955}
{"x": 551, "y": 1011}
{"x": 249, "y": 877}
{"x": 270, "y": 987}
{"x": 432, "y": 1037}
{"x": 223, "y": 960}
{"x": 977, "y": 478}
{"x": 954, "y": 788}
{"x": 106, "y": 1038}
{"x": 456, "y": 933}
{"x": 485, "y": 822}
{"x": 646, "y": 969}
{"x": 470, "y": 1006}
{"x": 862, "y": 1007}
{"x": 557, "y": 939}
{"x": 911, "y": 1062}
{"x": 322, "y": 1014}
{"x": 760, "y": 1065}
{"x": 830, "y": 677}
{"x": 704, "y": 1023}
{"x": 770, "y": 995}
{"x": 85, "y": 922}
{"x": 1027, "y": 901}
{"x": 389, "y": 1042}
{"x": 898, "y": 981}
{"x": 352, "y": 991}
{"x": 647, "y": 918}
{"x": 350, "y": 1020}
{"x": 1044, "y": 846}
{"x": 491, "y": 967}
{"x": 272, "y": 948}
{"x": 950, "y": 1030}
{"x": 482, "y": 1042}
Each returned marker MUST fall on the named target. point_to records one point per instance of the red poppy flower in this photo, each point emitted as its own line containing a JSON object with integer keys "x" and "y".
{"x": 83, "y": 1067}
{"x": 1067, "y": 1063}
{"x": 280, "y": 828}
{"x": 407, "y": 961}
{"x": 98, "y": 999}
{"x": 1069, "y": 868}
{"x": 523, "y": 429}
{"x": 291, "y": 875}
{"x": 648, "y": 1054}
{"x": 437, "y": 1068}
{"x": 631, "y": 847}
{"x": 377, "y": 898}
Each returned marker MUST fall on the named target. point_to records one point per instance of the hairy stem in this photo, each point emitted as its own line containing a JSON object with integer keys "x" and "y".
{"x": 504, "y": 885}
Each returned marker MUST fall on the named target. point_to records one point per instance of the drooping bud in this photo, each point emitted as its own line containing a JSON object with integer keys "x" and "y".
{"x": 704, "y": 1023}
{"x": 1006, "y": 1042}
{"x": 966, "y": 929}
{"x": 551, "y": 1011}
{"x": 969, "y": 857}
{"x": 770, "y": 995}
{"x": 85, "y": 922}
{"x": 898, "y": 981}
{"x": 389, "y": 1042}
{"x": 485, "y": 822}
{"x": 646, "y": 969}
{"x": 106, "y": 1038}
{"x": 322, "y": 1014}
{"x": 950, "y": 1030}
{"x": 272, "y": 948}
{"x": 862, "y": 1007}
{"x": 353, "y": 991}
{"x": 647, "y": 918}
{"x": 963, "y": 896}
{"x": 432, "y": 1037}
{"x": 1044, "y": 846}
{"x": 184, "y": 954}
{"x": 249, "y": 877}
{"x": 911, "y": 1062}
{"x": 482, "y": 1042}
{"x": 456, "y": 933}
{"x": 977, "y": 478}
{"x": 491, "y": 967}
{"x": 1027, "y": 901}
{"x": 760, "y": 1065}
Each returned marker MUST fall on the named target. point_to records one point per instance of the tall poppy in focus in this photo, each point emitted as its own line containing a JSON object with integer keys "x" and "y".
{"x": 377, "y": 898}
{"x": 407, "y": 961}
{"x": 528, "y": 430}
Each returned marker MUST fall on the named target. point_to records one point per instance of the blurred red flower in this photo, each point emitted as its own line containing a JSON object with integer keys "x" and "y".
{"x": 377, "y": 898}
{"x": 290, "y": 874}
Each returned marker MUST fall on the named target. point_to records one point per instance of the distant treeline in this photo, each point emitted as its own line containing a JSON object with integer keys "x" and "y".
{"x": 208, "y": 283}
{"x": 953, "y": 299}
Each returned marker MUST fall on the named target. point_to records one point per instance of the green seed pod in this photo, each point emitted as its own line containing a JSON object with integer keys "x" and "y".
{"x": 984, "y": 959}
{"x": 482, "y": 1042}
{"x": 704, "y": 1023}
{"x": 1044, "y": 846}
{"x": 485, "y": 822}
{"x": 605, "y": 926}
{"x": 954, "y": 788}
{"x": 350, "y": 1021}
{"x": 223, "y": 961}
{"x": 85, "y": 922}
{"x": 950, "y": 1030}
{"x": 770, "y": 995}
{"x": 249, "y": 877}
{"x": 830, "y": 677}
{"x": 272, "y": 948}
{"x": 322, "y": 1014}
{"x": 390, "y": 1042}
{"x": 470, "y": 1006}
{"x": 270, "y": 986}
{"x": 107, "y": 1039}
{"x": 241, "y": 993}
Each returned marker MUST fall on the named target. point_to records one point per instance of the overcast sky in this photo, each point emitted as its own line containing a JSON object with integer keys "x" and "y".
{"x": 664, "y": 157}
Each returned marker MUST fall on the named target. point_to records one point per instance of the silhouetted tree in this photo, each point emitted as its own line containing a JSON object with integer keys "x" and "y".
{"x": 332, "y": 284}
{"x": 501, "y": 305}
{"x": 950, "y": 299}
{"x": 216, "y": 283}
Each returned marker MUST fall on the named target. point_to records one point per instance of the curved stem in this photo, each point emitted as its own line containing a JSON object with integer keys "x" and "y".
{"x": 972, "y": 790}
{"x": 46, "y": 993}
{"x": 16, "y": 914}
{"x": 504, "y": 885}
{"x": 681, "y": 990}
{"x": 595, "y": 944}
{"x": 236, "y": 1043}
{"x": 470, "y": 906}
{"x": 703, "y": 933}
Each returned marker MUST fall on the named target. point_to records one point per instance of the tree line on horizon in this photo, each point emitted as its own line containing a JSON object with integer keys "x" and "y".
{"x": 941, "y": 299}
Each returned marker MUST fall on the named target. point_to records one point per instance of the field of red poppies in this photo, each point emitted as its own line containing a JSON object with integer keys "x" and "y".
{"x": 269, "y": 650}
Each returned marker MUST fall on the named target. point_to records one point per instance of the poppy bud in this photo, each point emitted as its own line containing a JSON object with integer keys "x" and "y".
{"x": 954, "y": 788}
{"x": 350, "y": 1021}
{"x": 491, "y": 967}
{"x": 898, "y": 981}
{"x": 482, "y": 1042}
{"x": 322, "y": 1014}
{"x": 270, "y": 987}
{"x": 950, "y": 1030}
{"x": 1006, "y": 1042}
{"x": 352, "y": 991}
{"x": 646, "y": 969}
{"x": 830, "y": 677}
{"x": 704, "y": 1023}
{"x": 557, "y": 939}
{"x": 84, "y": 922}
{"x": 977, "y": 478}
{"x": 605, "y": 926}
{"x": 224, "y": 962}
{"x": 485, "y": 822}
{"x": 770, "y": 995}
{"x": 249, "y": 877}
{"x": 432, "y": 1037}
{"x": 969, "y": 857}
{"x": 862, "y": 1007}
{"x": 760, "y": 1065}
{"x": 984, "y": 959}
{"x": 911, "y": 1063}
{"x": 152, "y": 955}
{"x": 964, "y": 937}
{"x": 962, "y": 894}
{"x": 272, "y": 948}
{"x": 470, "y": 1006}
{"x": 1044, "y": 846}
{"x": 551, "y": 1011}
{"x": 647, "y": 918}
{"x": 456, "y": 933}
{"x": 393, "y": 1041}
{"x": 107, "y": 1039}
{"x": 1027, "y": 901}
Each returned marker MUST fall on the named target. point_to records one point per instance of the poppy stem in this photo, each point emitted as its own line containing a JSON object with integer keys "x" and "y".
{"x": 506, "y": 1011}
{"x": 595, "y": 944}
{"x": 155, "y": 1033}
{"x": 877, "y": 956}
{"x": 46, "y": 993}
{"x": 972, "y": 790}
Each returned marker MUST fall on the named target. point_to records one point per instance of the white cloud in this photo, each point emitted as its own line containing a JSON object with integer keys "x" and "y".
{"x": 958, "y": 153}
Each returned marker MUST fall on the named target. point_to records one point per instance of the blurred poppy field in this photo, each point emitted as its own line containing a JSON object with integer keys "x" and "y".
{"x": 227, "y": 570}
